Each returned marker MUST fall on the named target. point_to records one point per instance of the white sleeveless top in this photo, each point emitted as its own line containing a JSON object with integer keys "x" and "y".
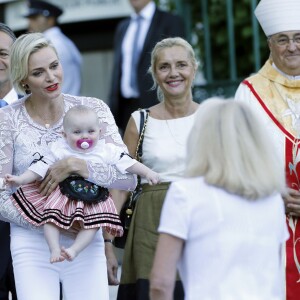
{"x": 164, "y": 145}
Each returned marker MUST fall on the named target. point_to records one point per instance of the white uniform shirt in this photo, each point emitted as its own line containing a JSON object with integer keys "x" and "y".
{"x": 11, "y": 96}
{"x": 70, "y": 59}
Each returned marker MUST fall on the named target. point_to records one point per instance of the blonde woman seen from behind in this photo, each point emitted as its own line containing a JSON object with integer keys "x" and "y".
{"x": 223, "y": 225}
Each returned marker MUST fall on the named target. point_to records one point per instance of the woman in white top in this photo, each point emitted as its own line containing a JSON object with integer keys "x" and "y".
{"x": 28, "y": 126}
{"x": 224, "y": 225}
{"x": 173, "y": 68}
{"x": 76, "y": 201}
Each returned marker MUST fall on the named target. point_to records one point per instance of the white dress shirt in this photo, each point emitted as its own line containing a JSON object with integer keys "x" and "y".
{"x": 11, "y": 96}
{"x": 147, "y": 13}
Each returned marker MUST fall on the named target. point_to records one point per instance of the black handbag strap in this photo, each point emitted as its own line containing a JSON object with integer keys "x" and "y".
{"x": 139, "y": 148}
{"x": 142, "y": 121}
{"x": 143, "y": 124}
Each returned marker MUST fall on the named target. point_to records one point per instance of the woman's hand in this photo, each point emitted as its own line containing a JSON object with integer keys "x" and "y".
{"x": 59, "y": 171}
{"x": 292, "y": 202}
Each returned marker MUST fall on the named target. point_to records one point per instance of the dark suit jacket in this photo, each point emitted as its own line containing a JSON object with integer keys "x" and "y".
{"x": 163, "y": 25}
{"x": 6, "y": 271}
{"x": 5, "y": 247}
{"x": 7, "y": 283}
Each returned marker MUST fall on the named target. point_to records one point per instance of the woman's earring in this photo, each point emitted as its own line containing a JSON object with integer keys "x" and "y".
{"x": 26, "y": 88}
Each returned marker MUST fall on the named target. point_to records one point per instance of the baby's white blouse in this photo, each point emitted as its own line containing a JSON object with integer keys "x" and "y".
{"x": 107, "y": 153}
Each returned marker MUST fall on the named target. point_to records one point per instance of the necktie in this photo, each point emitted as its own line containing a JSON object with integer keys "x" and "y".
{"x": 3, "y": 103}
{"x": 135, "y": 54}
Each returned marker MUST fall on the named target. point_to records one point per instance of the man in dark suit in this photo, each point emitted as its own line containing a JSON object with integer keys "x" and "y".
{"x": 7, "y": 96}
{"x": 151, "y": 25}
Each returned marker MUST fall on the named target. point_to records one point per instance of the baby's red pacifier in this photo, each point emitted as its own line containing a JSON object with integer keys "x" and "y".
{"x": 84, "y": 144}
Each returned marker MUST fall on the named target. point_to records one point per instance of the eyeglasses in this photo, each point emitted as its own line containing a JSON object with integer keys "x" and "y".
{"x": 284, "y": 40}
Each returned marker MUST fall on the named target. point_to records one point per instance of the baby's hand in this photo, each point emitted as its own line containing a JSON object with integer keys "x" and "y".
{"x": 152, "y": 177}
{"x": 12, "y": 180}
{"x": 2, "y": 184}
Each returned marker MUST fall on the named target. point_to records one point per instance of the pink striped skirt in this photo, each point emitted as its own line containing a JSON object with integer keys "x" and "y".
{"x": 63, "y": 212}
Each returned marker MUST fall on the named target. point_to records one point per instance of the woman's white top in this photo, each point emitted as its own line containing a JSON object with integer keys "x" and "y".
{"x": 232, "y": 245}
{"x": 21, "y": 137}
{"x": 164, "y": 145}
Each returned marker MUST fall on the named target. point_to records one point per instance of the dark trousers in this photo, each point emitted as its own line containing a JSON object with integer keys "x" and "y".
{"x": 7, "y": 282}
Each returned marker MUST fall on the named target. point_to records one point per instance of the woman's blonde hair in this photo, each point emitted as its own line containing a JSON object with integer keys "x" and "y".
{"x": 168, "y": 43}
{"x": 230, "y": 148}
{"x": 22, "y": 48}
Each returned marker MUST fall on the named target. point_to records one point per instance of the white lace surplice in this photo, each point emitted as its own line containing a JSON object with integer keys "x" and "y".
{"x": 20, "y": 138}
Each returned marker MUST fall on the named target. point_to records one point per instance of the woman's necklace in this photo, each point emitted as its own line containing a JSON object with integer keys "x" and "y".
{"x": 47, "y": 121}
{"x": 175, "y": 137}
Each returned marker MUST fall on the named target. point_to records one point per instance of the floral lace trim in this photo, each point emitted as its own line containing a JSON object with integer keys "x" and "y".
{"x": 109, "y": 177}
{"x": 9, "y": 212}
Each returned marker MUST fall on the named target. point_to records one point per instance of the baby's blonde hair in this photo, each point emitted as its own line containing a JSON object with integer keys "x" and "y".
{"x": 76, "y": 110}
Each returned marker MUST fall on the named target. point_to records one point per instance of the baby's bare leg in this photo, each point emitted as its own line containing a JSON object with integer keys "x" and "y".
{"x": 83, "y": 239}
{"x": 52, "y": 233}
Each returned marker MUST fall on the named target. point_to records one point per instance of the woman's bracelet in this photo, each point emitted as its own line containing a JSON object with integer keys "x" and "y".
{"x": 108, "y": 241}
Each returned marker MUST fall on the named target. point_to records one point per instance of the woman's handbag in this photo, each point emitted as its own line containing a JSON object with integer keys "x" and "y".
{"x": 78, "y": 189}
{"x": 129, "y": 205}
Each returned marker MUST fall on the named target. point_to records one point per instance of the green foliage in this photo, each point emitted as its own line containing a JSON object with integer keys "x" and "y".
{"x": 218, "y": 27}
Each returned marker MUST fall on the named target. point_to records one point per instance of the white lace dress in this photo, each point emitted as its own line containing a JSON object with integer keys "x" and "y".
{"x": 20, "y": 137}
{"x": 67, "y": 203}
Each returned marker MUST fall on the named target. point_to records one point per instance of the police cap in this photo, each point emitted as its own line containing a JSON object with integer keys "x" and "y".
{"x": 46, "y": 9}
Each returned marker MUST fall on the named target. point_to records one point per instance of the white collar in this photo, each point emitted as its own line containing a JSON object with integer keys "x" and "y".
{"x": 52, "y": 30}
{"x": 290, "y": 77}
{"x": 147, "y": 12}
{"x": 11, "y": 96}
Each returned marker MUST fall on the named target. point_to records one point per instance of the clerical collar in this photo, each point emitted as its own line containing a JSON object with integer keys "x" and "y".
{"x": 290, "y": 77}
